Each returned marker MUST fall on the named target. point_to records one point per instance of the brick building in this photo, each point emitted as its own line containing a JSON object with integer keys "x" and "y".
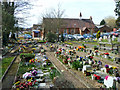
{"x": 37, "y": 31}
{"x": 72, "y": 26}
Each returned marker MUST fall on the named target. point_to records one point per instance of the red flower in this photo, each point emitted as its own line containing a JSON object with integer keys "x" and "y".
{"x": 106, "y": 53}
{"x": 96, "y": 51}
{"x": 57, "y": 52}
{"x": 91, "y": 57}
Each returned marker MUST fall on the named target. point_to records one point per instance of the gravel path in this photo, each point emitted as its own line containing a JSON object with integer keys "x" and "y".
{"x": 66, "y": 73}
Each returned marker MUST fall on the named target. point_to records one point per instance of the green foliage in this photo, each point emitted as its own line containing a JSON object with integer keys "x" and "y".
{"x": 102, "y": 22}
{"x": 117, "y": 9}
{"x": 5, "y": 63}
{"x": 95, "y": 46}
{"x": 76, "y": 65}
{"x": 8, "y": 20}
{"x": 51, "y": 37}
{"x": 118, "y": 22}
{"x": 62, "y": 38}
{"x": 26, "y": 56}
{"x": 98, "y": 34}
{"x": 54, "y": 73}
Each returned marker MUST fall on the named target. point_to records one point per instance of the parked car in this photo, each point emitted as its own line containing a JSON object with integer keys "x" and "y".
{"x": 69, "y": 37}
{"x": 94, "y": 35}
{"x": 64, "y": 35}
{"x": 27, "y": 36}
{"x": 115, "y": 33}
{"x": 78, "y": 37}
{"x": 105, "y": 34}
{"x": 87, "y": 36}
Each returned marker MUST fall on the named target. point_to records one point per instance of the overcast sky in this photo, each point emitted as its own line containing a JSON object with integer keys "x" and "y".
{"x": 98, "y": 9}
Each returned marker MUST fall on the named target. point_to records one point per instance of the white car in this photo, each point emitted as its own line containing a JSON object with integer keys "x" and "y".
{"x": 78, "y": 37}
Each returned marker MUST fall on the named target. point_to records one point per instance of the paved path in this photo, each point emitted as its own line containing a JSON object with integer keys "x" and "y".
{"x": 76, "y": 82}
{"x": 10, "y": 76}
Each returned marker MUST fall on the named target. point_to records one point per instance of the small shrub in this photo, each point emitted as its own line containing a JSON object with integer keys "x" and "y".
{"x": 26, "y": 56}
{"x": 76, "y": 65}
{"x": 51, "y": 37}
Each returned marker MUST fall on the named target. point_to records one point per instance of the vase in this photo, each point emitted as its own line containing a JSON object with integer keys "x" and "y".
{"x": 106, "y": 56}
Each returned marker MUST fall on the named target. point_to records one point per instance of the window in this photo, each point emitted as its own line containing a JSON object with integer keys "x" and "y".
{"x": 65, "y": 31}
{"x": 69, "y": 31}
{"x": 72, "y": 31}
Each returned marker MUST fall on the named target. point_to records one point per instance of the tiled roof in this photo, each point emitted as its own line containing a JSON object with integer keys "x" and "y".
{"x": 76, "y": 23}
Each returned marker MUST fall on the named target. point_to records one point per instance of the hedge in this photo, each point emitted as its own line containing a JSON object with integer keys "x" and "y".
{"x": 26, "y": 56}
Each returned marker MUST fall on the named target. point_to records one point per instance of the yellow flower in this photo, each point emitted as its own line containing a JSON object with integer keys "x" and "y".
{"x": 77, "y": 49}
{"x": 114, "y": 67}
{"x": 29, "y": 61}
{"x": 17, "y": 82}
{"x": 29, "y": 80}
{"x": 18, "y": 89}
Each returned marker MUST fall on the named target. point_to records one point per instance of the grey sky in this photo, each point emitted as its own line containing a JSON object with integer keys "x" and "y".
{"x": 98, "y": 9}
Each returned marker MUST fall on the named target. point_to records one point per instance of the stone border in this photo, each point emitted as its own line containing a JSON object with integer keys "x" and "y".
{"x": 8, "y": 68}
{"x": 16, "y": 72}
{"x": 55, "y": 67}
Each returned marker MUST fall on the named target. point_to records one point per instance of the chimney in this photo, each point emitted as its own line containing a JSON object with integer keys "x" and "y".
{"x": 80, "y": 15}
{"x": 91, "y": 18}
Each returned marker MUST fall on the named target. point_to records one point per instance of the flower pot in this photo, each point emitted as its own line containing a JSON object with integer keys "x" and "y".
{"x": 106, "y": 56}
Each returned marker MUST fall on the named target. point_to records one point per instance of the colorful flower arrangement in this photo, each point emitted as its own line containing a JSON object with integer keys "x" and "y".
{"x": 90, "y": 57}
{"x": 106, "y": 53}
{"x": 25, "y": 84}
{"x": 32, "y": 60}
{"x": 106, "y": 66}
{"x": 33, "y": 49}
{"x": 96, "y": 51}
{"x": 81, "y": 47}
{"x": 34, "y": 72}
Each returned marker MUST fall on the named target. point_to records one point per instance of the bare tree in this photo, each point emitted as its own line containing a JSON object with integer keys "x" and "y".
{"x": 111, "y": 21}
{"x": 52, "y": 20}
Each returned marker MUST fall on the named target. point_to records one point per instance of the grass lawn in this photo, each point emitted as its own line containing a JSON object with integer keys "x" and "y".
{"x": 92, "y": 43}
{"x": 5, "y": 63}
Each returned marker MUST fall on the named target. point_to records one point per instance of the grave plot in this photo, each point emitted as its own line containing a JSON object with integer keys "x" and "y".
{"x": 35, "y": 71}
{"x": 67, "y": 75}
{"x": 87, "y": 65}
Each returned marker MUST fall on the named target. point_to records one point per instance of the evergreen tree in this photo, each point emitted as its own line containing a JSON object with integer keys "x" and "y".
{"x": 62, "y": 37}
{"x": 8, "y": 20}
{"x": 117, "y": 12}
{"x": 102, "y": 22}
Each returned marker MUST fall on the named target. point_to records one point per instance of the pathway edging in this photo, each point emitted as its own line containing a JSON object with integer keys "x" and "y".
{"x": 8, "y": 69}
